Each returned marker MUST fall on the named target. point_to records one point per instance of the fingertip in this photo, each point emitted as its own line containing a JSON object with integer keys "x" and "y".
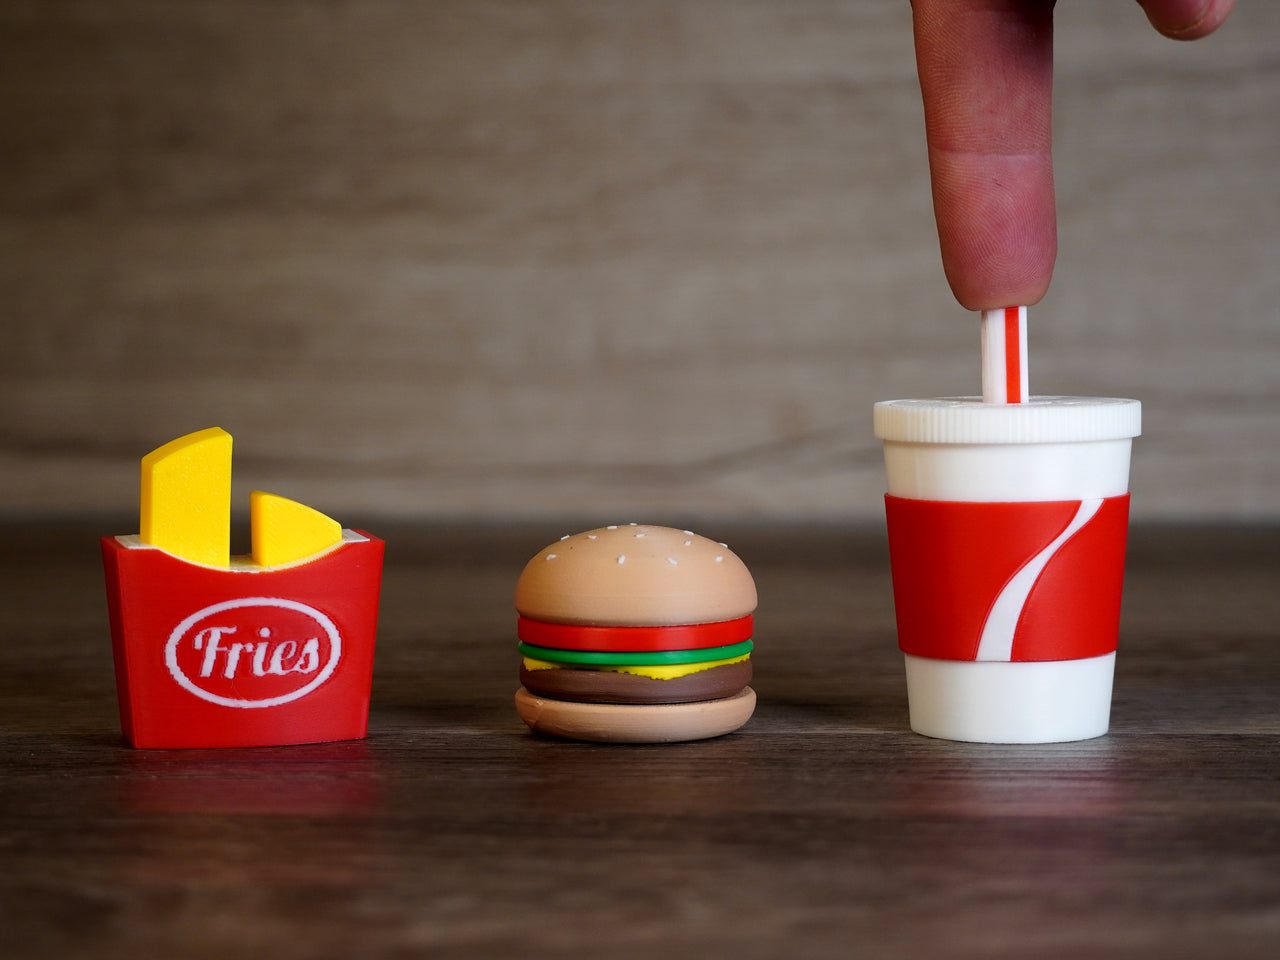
{"x": 997, "y": 227}
{"x": 980, "y": 287}
{"x": 1187, "y": 19}
{"x": 987, "y": 271}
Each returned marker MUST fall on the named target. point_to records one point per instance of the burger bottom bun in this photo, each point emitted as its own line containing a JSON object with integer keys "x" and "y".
{"x": 635, "y": 723}
{"x": 608, "y": 686}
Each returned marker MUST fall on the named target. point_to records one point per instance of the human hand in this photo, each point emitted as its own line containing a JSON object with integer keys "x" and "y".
{"x": 986, "y": 75}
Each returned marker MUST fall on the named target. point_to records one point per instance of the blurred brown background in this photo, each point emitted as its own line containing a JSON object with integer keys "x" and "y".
{"x": 633, "y": 259}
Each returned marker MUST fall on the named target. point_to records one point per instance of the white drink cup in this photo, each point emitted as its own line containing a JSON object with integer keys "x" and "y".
{"x": 1006, "y": 535}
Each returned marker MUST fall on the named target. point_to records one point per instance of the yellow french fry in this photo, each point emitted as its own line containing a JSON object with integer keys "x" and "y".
{"x": 186, "y": 497}
{"x": 282, "y": 531}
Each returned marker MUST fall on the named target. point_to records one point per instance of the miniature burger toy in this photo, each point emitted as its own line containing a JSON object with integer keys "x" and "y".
{"x": 219, "y": 651}
{"x": 635, "y": 634}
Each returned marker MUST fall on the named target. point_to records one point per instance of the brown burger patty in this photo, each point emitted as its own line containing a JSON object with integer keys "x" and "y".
{"x": 606, "y": 686}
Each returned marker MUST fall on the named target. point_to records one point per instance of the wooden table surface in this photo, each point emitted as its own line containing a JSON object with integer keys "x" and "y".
{"x": 823, "y": 828}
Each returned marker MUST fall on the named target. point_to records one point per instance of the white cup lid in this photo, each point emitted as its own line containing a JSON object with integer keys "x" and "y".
{"x": 1038, "y": 420}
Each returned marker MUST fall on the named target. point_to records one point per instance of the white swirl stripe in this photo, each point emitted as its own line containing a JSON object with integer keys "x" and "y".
{"x": 996, "y": 642}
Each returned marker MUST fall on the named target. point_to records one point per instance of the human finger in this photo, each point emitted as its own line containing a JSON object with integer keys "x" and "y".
{"x": 1187, "y": 19}
{"x": 986, "y": 76}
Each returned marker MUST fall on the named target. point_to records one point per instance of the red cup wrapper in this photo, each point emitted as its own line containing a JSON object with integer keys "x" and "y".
{"x": 1007, "y": 581}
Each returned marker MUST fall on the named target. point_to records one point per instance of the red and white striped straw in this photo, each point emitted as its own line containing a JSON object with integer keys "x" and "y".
{"x": 1004, "y": 355}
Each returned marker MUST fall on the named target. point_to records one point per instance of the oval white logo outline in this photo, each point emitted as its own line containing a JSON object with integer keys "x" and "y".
{"x": 171, "y": 651}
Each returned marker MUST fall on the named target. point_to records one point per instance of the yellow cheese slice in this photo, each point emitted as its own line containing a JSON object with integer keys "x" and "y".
{"x": 665, "y": 671}
{"x": 282, "y": 531}
{"x": 186, "y": 497}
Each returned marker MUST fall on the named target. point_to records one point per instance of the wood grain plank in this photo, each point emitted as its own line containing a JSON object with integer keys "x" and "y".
{"x": 823, "y": 825}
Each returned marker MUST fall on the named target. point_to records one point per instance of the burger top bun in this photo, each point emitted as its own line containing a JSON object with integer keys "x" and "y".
{"x": 635, "y": 575}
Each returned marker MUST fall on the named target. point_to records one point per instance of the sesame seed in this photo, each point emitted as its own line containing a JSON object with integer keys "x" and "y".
{"x": 565, "y": 537}
{"x": 688, "y": 543}
{"x": 725, "y": 545}
{"x": 612, "y": 526}
{"x": 591, "y": 536}
{"x": 671, "y": 560}
{"x": 551, "y": 556}
{"x": 622, "y": 558}
{"x": 719, "y": 559}
{"x": 687, "y": 533}
{"x": 639, "y": 536}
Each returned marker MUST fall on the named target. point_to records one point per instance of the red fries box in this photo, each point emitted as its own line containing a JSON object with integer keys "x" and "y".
{"x": 243, "y": 653}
